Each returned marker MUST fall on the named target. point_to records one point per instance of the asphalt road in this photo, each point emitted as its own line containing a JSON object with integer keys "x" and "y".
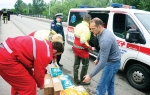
{"x": 23, "y": 26}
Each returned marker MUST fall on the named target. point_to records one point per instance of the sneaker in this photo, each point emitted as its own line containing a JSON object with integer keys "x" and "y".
{"x": 85, "y": 83}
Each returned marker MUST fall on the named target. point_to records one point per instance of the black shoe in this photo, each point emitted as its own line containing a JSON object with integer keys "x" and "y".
{"x": 85, "y": 83}
{"x": 77, "y": 83}
{"x": 60, "y": 65}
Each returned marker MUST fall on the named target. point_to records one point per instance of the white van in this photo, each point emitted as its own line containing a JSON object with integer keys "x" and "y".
{"x": 131, "y": 28}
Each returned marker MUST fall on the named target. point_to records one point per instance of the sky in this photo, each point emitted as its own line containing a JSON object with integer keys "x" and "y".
{"x": 10, "y": 3}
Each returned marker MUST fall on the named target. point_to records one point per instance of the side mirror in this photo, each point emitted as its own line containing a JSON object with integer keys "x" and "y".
{"x": 133, "y": 36}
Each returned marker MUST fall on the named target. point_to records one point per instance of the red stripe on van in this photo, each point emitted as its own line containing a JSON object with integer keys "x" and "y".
{"x": 145, "y": 50}
{"x": 70, "y": 29}
{"x": 141, "y": 49}
{"x": 135, "y": 47}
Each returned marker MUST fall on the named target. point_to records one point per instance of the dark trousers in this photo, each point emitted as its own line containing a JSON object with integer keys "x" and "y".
{"x": 85, "y": 65}
{"x": 5, "y": 18}
{"x": 58, "y": 58}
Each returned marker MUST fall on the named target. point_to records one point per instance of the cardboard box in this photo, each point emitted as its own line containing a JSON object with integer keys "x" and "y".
{"x": 57, "y": 85}
{"x": 48, "y": 85}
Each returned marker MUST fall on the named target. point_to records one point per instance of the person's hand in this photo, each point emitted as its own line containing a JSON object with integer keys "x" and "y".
{"x": 86, "y": 78}
{"x": 54, "y": 60}
{"x": 42, "y": 87}
{"x": 93, "y": 48}
{"x": 95, "y": 62}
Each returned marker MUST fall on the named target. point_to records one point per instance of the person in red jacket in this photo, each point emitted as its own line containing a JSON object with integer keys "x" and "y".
{"x": 49, "y": 35}
{"x": 81, "y": 49}
{"x": 20, "y": 55}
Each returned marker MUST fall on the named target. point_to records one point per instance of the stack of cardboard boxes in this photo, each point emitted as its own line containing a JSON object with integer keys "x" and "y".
{"x": 53, "y": 86}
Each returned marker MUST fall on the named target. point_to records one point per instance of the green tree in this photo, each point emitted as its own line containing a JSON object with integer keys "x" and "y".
{"x": 13, "y": 10}
{"x": 30, "y": 8}
{"x": 38, "y": 6}
{"x": 117, "y": 1}
{"x": 20, "y": 7}
{"x": 63, "y": 6}
{"x": 144, "y": 5}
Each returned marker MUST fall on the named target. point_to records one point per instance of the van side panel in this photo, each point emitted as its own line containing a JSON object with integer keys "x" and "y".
{"x": 117, "y": 24}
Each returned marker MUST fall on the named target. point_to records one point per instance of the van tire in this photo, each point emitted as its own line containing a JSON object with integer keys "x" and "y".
{"x": 138, "y": 76}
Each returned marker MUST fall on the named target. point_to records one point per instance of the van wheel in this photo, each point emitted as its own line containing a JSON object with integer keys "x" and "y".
{"x": 138, "y": 76}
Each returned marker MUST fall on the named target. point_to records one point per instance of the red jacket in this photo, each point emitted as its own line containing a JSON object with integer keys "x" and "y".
{"x": 83, "y": 53}
{"x": 32, "y": 34}
{"x": 82, "y": 36}
{"x": 22, "y": 48}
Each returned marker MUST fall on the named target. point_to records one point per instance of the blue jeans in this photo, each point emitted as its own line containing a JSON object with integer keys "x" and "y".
{"x": 107, "y": 78}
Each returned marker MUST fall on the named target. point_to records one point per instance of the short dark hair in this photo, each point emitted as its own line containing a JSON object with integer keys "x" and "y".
{"x": 87, "y": 17}
{"x": 58, "y": 46}
{"x": 97, "y": 21}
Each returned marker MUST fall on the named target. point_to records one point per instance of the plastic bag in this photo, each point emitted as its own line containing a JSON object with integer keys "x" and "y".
{"x": 81, "y": 90}
{"x": 78, "y": 90}
{"x": 66, "y": 81}
{"x": 69, "y": 91}
{"x": 55, "y": 72}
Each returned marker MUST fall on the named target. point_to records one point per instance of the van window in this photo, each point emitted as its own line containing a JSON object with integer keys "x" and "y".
{"x": 121, "y": 24}
{"x": 144, "y": 19}
{"x": 76, "y": 18}
{"x": 130, "y": 24}
{"x": 102, "y": 16}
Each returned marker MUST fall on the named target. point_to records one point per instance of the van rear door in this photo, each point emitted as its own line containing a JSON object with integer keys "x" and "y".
{"x": 75, "y": 17}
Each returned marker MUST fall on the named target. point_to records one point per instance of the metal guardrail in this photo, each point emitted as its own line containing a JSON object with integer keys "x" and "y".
{"x": 43, "y": 19}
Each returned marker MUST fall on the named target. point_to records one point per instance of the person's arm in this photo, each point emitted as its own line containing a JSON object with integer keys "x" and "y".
{"x": 39, "y": 71}
{"x": 103, "y": 53}
{"x": 98, "y": 56}
{"x": 83, "y": 40}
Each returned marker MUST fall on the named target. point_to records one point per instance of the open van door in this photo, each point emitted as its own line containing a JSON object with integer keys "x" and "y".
{"x": 75, "y": 17}
{"x": 103, "y": 15}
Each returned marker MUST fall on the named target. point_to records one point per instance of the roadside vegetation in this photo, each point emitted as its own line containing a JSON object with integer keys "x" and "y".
{"x": 47, "y": 10}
